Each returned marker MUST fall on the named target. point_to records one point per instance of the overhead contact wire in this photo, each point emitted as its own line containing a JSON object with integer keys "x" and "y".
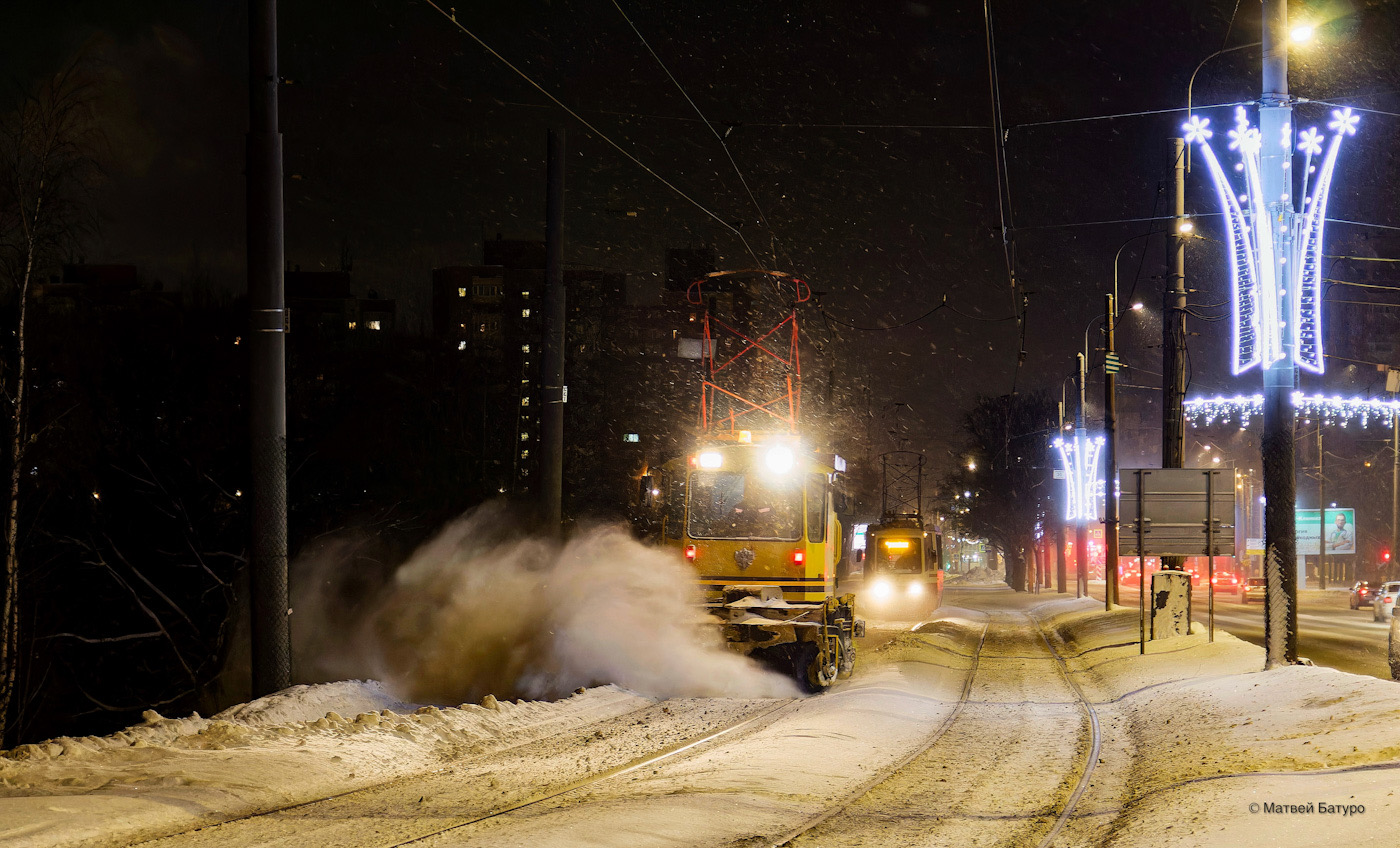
{"x": 576, "y": 116}
{"x": 763, "y": 219}
{"x": 1019, "y": 304}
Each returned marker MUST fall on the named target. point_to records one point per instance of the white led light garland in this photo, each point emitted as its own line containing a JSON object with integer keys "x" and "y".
{"x": 1258, "y": 282}
{"x": 1080, "y": 456}
{"x": 1338, "y": 411}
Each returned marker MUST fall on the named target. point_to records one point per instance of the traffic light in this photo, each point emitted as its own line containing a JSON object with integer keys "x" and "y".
{"x": 1385, "y": 555}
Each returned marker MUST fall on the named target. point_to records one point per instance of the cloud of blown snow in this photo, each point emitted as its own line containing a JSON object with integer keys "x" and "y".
{"x": 486, "y": 609}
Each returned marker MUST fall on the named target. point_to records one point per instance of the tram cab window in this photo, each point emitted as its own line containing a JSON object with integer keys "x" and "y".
{"x": 735, "y": 505}
{"x": 675, "y": 507}
{"x": 898, "y": 556}
{"x": 816, "y": 507}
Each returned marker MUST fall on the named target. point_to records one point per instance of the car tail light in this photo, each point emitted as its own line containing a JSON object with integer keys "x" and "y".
{"x": 690, "y": 552}
{"x": 1387, "y": 600}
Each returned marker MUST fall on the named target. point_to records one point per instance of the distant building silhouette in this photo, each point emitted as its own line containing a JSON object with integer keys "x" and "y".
{"x": 325, "y": 308}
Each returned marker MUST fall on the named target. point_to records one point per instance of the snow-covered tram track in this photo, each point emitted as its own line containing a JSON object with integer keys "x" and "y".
{"x": 420, "y": 807}
{"x": 1095, "y": 741}
{"x": 885, "y": 773}
{"x": 938, "y": 794}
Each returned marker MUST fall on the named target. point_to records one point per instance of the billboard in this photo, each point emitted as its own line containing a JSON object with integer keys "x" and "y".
{"x": 1339, "y": 532}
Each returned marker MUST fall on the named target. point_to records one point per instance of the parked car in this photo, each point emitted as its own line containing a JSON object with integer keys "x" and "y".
{"x": 1252, "y": 589}
{"x": 1362, "y": 594}
{"x": 1385, "y": 600}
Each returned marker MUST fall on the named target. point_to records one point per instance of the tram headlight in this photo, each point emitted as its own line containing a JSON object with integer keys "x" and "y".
{"x": 881, "y": 590}
{"x": 710, "y": 459}
{"x": 779, "y": 459}
{"x": 916, "y": 589}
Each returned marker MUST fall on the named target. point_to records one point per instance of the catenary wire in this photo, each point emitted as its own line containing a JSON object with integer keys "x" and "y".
{"x": 452, "y": 17}
{"x": 1355, "y": 108}
{"x": 767, "y": 124}
{"x": 1360, "y": 285}
{"x": 745, "y": 183}
{"x": 1005, "y": 209}
{"x": 1116, "y": 115}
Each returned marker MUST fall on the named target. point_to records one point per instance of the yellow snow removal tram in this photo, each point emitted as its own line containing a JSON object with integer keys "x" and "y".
{"x": 755, "y": 517}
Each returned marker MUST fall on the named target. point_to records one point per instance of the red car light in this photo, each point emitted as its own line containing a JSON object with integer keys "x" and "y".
{"x": 1387, "y": 600}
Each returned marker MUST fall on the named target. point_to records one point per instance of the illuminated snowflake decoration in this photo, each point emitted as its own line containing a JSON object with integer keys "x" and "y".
{"x": 1080, "y": 456}
{"x": 1258, "y": 282}
{"x": 1335, "y": 411}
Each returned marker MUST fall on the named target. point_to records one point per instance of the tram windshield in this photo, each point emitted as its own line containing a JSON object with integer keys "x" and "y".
{"x": 898, "y": 556}
{"x": 735, "y": 505}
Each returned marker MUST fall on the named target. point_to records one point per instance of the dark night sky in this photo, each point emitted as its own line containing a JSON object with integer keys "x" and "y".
{"x": 406, "y": 142}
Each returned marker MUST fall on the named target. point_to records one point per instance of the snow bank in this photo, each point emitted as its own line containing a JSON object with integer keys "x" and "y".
{"x": 303, "y": 743}
{"x": 979, "y": 576}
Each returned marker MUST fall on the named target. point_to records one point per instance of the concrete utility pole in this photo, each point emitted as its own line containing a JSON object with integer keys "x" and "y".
{"x": 1110, "y": 426}
{"x": 1081, "y": 527}
{"x": 555, "y": 392}
{"x": 1321, "y": 515}
{"x": 267, "y": 356}
{"x": 1061, "y": 567}
{"x": 1276, "y": 443}
{"x": 1174, "y": 335}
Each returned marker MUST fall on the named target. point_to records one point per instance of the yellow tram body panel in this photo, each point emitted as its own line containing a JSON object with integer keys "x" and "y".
{"x": 756, "y": 513}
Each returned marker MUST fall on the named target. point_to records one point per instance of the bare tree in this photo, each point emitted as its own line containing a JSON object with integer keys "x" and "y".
{"x": 48, "y": 164}
{"x": 997, "y": 491}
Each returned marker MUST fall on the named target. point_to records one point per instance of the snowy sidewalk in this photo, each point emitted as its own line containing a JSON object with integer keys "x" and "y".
{"x": 1221, "y": 753}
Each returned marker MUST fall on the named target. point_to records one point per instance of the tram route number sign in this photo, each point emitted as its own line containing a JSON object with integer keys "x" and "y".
{"x": 1176, "y": 512}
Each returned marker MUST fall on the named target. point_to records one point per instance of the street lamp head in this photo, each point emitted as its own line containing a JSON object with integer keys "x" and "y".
{"x": 1301, "y": 34}
{"x": 1137, "y": 307}
{"x": 1185, "y": 226}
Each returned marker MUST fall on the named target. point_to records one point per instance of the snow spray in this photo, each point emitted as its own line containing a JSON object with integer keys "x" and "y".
{"x": 483, "y": 608}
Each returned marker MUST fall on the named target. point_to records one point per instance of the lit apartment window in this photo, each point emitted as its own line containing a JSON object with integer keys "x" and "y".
{"x": 372, "y": 325}
{"x": 524, "y": 295}
{"x": 524, "y": 401}
{"x": 631, "y": 437}
{"x": 524, "y": 348}
{"x": 461, "y": 345}
{"x": 352, "y": 325}
{"x": 461, "y": 291}
{"x": 524, "y": 437}
{"x": 482, "y": 328}
{"x": 524, "y": 313}
{"x": 524, "y": 454}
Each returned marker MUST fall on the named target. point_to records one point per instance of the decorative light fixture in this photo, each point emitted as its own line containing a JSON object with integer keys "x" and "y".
{"x": 1338, "y": 411}
{"x": 1259, "y": 283}
{"x": 1080, "y": 456}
